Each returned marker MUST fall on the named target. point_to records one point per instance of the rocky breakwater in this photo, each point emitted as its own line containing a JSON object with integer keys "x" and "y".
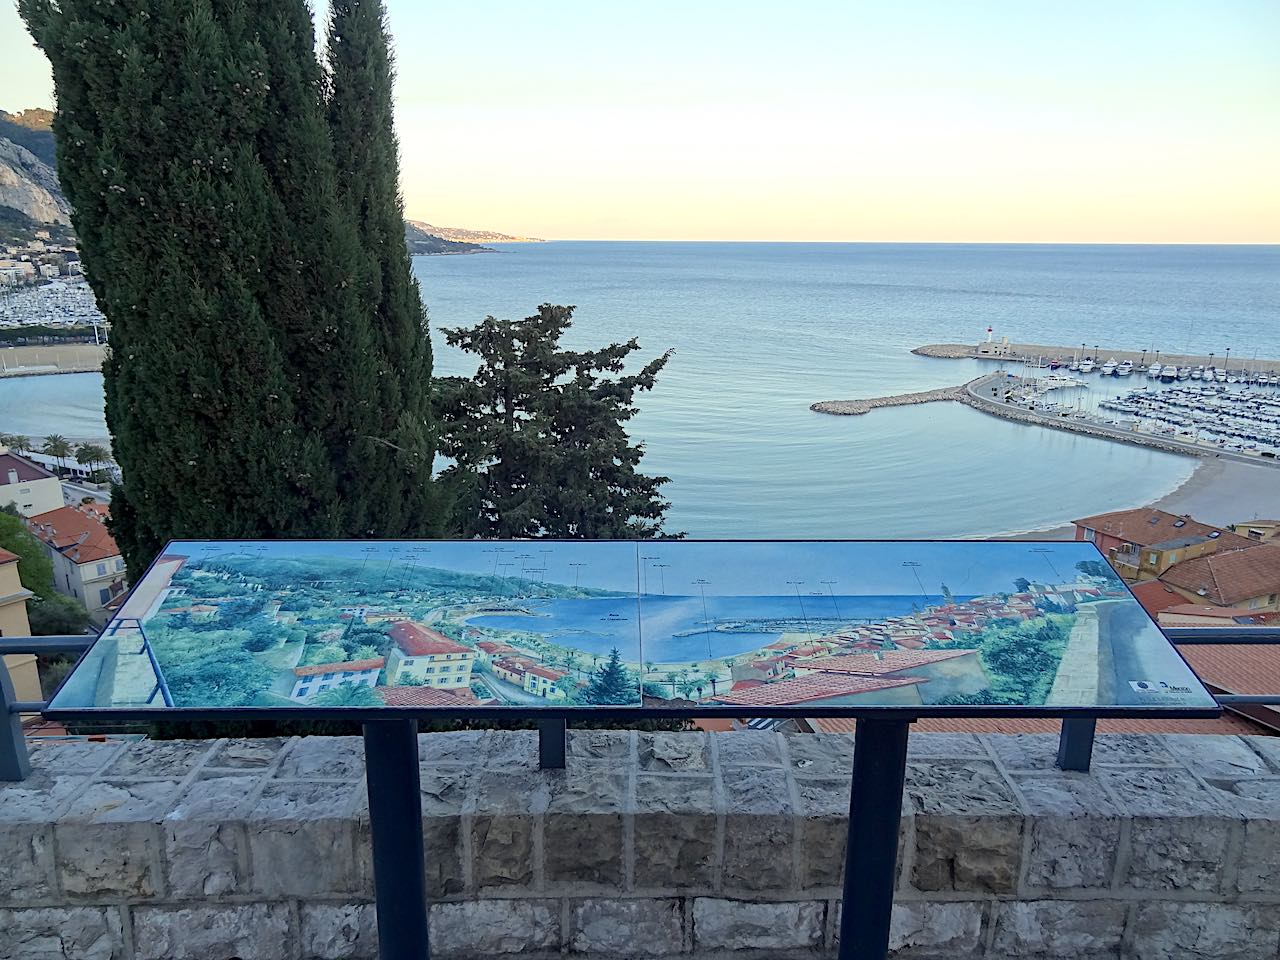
{"x": 849, "y": 408}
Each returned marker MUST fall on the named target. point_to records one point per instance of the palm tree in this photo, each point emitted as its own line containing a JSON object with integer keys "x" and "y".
{"x": 19, "y": 443}
{"x": 688, "y": 686}
{"x": 672, "y": 679}
{"x": 56, "y": 446}
{"x": 710, "y": 678}
{"x": 648, "y": 667}
{"x": 348, "y": 695}
{"x": 91, "y": 455}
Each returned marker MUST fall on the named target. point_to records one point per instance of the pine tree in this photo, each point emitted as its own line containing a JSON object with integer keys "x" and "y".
{"x": 361, "y": 123}
{"x": 160, "y": 112}
{"x": 613, "y": 683}
{"x": 538, "y": 436}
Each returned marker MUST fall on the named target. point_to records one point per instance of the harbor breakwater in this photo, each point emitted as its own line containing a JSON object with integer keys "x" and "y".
{"x": 853, "y": 408}
{"x": 1024, "y": 352}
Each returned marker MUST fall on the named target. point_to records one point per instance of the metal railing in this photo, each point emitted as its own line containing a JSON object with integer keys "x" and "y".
{"x": 1075, "y": 742}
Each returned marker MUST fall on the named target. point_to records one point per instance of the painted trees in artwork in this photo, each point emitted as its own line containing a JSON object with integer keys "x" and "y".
{"x": 612, "y": 683}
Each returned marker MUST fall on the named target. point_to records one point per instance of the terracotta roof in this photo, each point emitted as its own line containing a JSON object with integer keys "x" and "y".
{"x": 423, "y": 697}
{"x": 1156, "y": 596}
{"x": 1226, "y": 578}
{"x": 1218, "y": 613}
{"x": 78, "y": 536}
{"x": 1236, "y": 668}
{"x": 816, "y": 686}
{"x": 375, "y": 663}
{"x": 25, "y": 469}
{"x": 419, "y": 641}
{"x": 1146, "y": 527}
{"x": 7, "y": 557}
{"x": 890, "y": 661}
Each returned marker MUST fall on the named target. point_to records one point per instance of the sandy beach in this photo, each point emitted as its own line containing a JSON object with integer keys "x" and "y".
{"x": 1218, "y": 492}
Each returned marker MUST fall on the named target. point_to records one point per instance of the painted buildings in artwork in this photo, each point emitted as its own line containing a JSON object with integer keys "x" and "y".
{"x": 427, "y": 657}
{"x": 545, "y": 682}
{"x": 316, "y": 678}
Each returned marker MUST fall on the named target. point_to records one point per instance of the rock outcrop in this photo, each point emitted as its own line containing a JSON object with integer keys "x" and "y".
{"x": 30, "y": 186}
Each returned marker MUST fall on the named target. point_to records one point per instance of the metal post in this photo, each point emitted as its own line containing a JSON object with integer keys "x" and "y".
{"x": 1075, "y": 743}
{"x": 552, "y": 737}
{"x": 395, "y": 822}
{"x": 15, "y": 763}
{"x": 871, "y": 857}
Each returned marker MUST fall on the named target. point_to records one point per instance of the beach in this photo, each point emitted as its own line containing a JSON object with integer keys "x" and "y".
{"x": 35, "y": 361}
{"x": 1219, "y": 492}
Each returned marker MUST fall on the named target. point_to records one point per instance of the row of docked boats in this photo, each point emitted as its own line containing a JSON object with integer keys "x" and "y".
{"x": 1237, "y": 420}
{"x": 1172, "y": 372}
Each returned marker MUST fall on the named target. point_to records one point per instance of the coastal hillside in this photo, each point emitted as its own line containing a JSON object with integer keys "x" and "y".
{"x": 29, "y": 186}
{"x": 420, "y": 242}
{"x": 33, "y": 130}
{"x": 470, "y": 236}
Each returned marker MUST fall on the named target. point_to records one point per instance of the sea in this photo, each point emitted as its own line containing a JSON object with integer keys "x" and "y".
{"x": 678, "y": 629}
{"x": 759, "y": 331}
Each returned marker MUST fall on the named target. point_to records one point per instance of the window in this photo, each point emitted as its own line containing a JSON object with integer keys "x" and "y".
{"x": 408, "y": 661}
{"x": 429, "y": 670}
{"x": 303, "y": 691}
{"x": 327, "y": 676}
{"x": 1173, "y": 557}
{"x": 1088, "y": 534}
{"x": 1153, "y": 557}
{"x": 103, "y": 596}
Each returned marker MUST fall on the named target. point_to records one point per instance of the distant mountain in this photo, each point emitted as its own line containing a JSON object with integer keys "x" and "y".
{"x": 33, "y": 130}
{"x": 471, "y": 236}
{"x": 420, "y": 241}
{"x": 29, "y": 186}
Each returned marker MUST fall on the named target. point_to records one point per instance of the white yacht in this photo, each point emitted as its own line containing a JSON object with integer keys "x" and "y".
{"x": 1184, "y": 373}
{"x": 1153, "y": 371}
{"x": 1108, "y": 368}
{"x": 1125, "y": 368}
{"x": 1086, "y": 365}
{"x": 1198, "y": 372}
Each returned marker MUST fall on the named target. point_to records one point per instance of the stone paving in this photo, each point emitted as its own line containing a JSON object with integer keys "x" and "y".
{"x": 721, "y": 845}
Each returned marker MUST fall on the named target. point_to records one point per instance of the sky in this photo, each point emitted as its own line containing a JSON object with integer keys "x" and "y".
{"x": 1152, "y": 121}
{"x": 766, "y": 568}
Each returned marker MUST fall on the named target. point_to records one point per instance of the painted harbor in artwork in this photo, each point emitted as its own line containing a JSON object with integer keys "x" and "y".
{"x": 452, "y": 624}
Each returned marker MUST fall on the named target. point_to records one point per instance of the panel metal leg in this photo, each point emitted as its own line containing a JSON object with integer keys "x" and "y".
{"x": 395, "y": 822}
{"x": 1075, "y": 743}
{"x": 871, "y": 857}
{"x": 552, "y": 737}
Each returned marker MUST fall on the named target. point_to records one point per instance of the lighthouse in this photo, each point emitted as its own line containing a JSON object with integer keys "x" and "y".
{"x": 989, "y": 334}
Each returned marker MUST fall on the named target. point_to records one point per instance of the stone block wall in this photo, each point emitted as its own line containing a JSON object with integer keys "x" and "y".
{"x": 647, "y": 845}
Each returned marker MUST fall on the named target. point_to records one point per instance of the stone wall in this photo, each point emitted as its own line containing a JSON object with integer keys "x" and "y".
{"x": 728, "y": 845}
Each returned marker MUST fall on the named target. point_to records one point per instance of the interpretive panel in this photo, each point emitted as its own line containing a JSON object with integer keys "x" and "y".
{"x": 526, "y": 624}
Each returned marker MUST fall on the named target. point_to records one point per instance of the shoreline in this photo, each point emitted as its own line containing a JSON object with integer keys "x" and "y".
{"x": 1019, "y": 352}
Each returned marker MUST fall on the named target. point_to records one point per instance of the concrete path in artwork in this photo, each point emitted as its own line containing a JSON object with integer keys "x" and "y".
{"x": 1077, "y": 683}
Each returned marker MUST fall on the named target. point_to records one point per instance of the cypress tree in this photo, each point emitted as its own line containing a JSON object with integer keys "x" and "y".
{"x": 362, "y": 125}
{"x": 161, "y": 106}
{"x": 613, "y": 683}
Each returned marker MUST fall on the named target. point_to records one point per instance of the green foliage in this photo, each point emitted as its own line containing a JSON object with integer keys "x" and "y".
{"x": 57, "y": 615}
{"x": 31, "y": 129}
{"x": 92, "y": 454}
{"x": 1096, "y": 568}
{"x": 1020, "y": 656}
{"x": 612, "y": 683}
{"x": 947, "y": 595}
{"x": 538, "y": 436}
{"x": 35, "y": 569}
{"x": 56, "y": 446}
{"x": 195, "y": 149}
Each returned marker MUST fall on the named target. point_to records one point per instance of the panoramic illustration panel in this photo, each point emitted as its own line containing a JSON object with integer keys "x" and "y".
{"x": 755, "y": 625}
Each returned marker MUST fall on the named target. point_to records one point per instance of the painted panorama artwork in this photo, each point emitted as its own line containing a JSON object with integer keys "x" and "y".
{"x": 452, "y": 624}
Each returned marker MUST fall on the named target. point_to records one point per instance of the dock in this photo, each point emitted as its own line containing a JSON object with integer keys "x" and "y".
{"x": 1032, "y": 352}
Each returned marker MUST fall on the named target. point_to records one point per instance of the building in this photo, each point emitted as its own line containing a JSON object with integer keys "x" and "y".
{"x": 28, "y": 486}
{"x": 13, "y": 623}
{"x": 1248, "y": 578}
{"x": 1261, "y": 531}
{"x": 86, "y": 561}
{"x": 426, "y": 697}
{"x": 945, "y": 672}
{"x": 826, "y": 689}
{"x": 309, "y": 681}
{"x": 545, "y": 682}
{"x": 427, "y": 656}
{"x": 1142, "y": 544}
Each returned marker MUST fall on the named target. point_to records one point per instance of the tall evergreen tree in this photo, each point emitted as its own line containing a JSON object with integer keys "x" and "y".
{"x": 161, "y": 110}
{"x": 538, "y": 436}
{"x": 362, "y": 125}
{"x": 613, "y": 683}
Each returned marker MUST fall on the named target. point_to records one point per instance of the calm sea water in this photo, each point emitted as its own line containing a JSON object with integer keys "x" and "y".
{"x": 760, "y": 331}
{"x": 684, "y": 628}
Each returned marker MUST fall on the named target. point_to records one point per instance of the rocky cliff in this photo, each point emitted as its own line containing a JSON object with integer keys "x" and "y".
{"x": 30, "y": 186}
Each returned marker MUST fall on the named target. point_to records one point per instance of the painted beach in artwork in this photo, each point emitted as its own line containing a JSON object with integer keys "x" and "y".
{"x": 453, "y": 624}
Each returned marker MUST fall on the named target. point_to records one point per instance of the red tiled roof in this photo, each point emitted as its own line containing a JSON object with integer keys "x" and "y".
{"x": 1226, "y": 578}
{"x": 816, "y": 686}
{"x": 1225, "y": 724}
{"x": 7, "y": 557}
{"x": 424, "y": 697}
{"x": 25, "y": 469}
{"x": 1156, "y": 596}
{"x": 890, "y": 661}
{"x": 1146, "y": 527}
{"x": 419, "y": 641}
{"x": 375, "y": 663}
{"x": 78, "y": 536}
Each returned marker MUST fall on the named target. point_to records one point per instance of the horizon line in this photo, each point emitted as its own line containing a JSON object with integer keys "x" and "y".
{"x": 972, "y": 243}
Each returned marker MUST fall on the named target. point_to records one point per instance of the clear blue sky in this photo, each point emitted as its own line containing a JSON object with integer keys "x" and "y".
{"x": 730, "y": 569}
{"x": 1019, "y": 120}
